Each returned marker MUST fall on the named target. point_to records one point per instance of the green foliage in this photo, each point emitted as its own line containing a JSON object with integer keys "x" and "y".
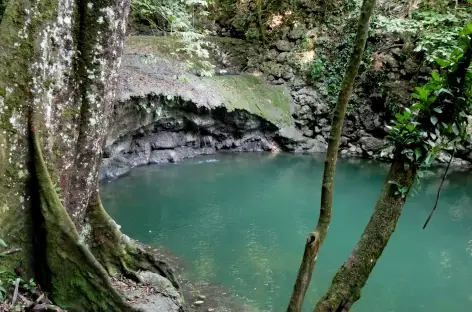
{"x": 3, "y": 291}
{"x": 440, "y": 117}
{"x": 8, "y": 281}
{"x": 252, "y": 34}
{"x": 3, "y": 244}
{"x": 400, "y": 190}
{"x": 317, "y": 67}
{"x": 331, "y": 59}
{"x": 434, "y": 28}
{"x": 170, "y": 15}
{"x": 179, "y": 18}
{"x": 29, "y": 286}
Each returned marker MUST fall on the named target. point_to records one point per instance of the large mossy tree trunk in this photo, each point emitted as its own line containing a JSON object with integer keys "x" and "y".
{"x": 316, "y": 238}
{"x": 58, "y": 69}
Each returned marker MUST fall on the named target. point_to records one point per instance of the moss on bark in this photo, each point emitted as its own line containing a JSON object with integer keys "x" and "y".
{"x": 119, "y": 253}
{"x": 316, "y": 238}
{"x": 77, "y": 281}
{"x": 50, "y": 136}
{"x": 346, "y": 286}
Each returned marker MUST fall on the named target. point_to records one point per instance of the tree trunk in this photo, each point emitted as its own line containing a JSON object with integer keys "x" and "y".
{"x": 59, "y": 61}
{"x": 348, "y": 282}
{"x": 259, "y": 20}
{"x": 316, "y": 238}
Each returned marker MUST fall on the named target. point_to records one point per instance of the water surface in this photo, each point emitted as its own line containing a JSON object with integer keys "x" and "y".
{"x": 241, "y": 221}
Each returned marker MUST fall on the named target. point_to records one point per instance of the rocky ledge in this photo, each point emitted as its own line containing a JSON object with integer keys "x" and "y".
{"x": 165, "y": 114}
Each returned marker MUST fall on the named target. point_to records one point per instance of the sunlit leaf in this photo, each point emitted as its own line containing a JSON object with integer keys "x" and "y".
{"x": 434, "y": 120}
{"x": 455, "y": 129}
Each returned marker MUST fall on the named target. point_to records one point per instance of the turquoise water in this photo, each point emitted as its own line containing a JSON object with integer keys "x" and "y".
{"x": 241, "y": 221}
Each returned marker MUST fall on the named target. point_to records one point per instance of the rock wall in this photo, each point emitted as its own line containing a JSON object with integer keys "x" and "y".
{"x": 384, "y": 86}
{"x": 180, "y": 130}
{"x": 161, "y": 118}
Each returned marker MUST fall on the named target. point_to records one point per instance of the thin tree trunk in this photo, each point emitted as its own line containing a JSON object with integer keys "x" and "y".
{"x": 348, "y": 282}
{"x": 259, "y": 20}
{"x": 316, "y": 238}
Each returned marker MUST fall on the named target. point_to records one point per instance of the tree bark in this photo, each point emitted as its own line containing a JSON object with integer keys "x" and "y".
{"x": 316, "y": 238}
{"x": 59, "y": 62}
{"x": 259, "y": 20}
{"x": 348, "y": 282}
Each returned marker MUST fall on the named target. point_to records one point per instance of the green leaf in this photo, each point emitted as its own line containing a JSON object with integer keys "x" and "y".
{"x": 423, "y": 93}
{"x": 469, "y": 28}
{"x": 2, "y": 243}
{"x": 434, "y": 120}
{"x": 442, "y": 62}
{"x": 445, "y": 90}
{"x": 417, "y": 153}
{"x": 428, "y": 160}
{"x": 435, "y": 76}
{"x": 455, "y": 129}
{"x": 420, "y": 174}
{"x": 438, "y": 110}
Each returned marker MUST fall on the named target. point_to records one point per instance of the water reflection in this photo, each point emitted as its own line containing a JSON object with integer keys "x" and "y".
{"x": 242, "y": 222}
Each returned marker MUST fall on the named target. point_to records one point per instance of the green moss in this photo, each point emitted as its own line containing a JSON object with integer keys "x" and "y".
{"x": 157, "y": 45}
{"x": 252, "y": 94}
{"x": 77, "y": 281}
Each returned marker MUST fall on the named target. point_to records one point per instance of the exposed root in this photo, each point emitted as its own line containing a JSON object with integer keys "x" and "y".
{"x": 75, "y": 279}
{"x": 133, "y": 275}
{"x": 119, "y": 253}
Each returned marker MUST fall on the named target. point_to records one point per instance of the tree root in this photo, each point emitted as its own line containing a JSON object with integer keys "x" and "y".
{"x": 119, "y": 252}
{"x": 75, "y": 279}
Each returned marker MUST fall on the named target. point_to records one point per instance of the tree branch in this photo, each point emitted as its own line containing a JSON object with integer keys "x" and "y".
{"x": 10, "y": 251}
{"x": 439, "y": 190}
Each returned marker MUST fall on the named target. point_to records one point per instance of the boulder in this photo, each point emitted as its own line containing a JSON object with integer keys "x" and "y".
{"x": 288, "y": 74}
{"x": 344, "y": 141}
{"x": 112, "y": 168}
{"x": 369, "y": 143}
{"x": 387, "y": 153}
{"x": 308, "y": 96}
{"x": 296, "y": 33}
{"x": 282, "y": 57}
{"x": 410, "y": 66}
{"x": 370, "y": 120}
{"x": 162, "y": 284}
{"x": 283, "y": 45}
{"x": 166, "y": 140}
{"x": 163, "y": 157}
{"x": 307, "y": 131}
{"x": 271, "y": 55}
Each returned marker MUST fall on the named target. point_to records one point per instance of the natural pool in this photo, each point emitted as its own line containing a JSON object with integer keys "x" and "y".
{"x": 241, "y": 221}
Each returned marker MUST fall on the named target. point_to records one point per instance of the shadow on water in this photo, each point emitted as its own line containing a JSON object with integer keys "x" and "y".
{"x": 239, "y": 221}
